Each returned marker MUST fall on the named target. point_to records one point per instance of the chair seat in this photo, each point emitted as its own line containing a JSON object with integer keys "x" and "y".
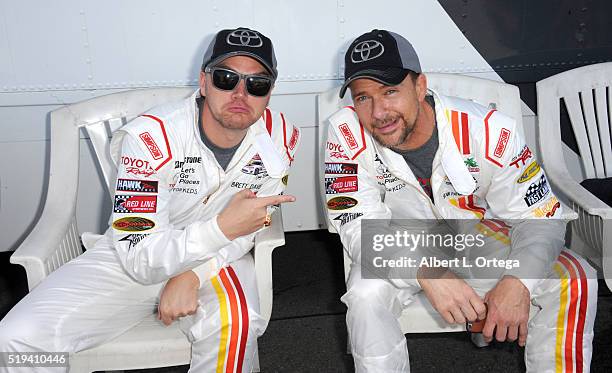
{"x": 149, "y": 344}
{"x": 421, "y": 317}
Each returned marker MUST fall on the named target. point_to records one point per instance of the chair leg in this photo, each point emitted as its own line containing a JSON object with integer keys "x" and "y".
{"x": 256, "y": 368}
{"x": 478, "y": 340}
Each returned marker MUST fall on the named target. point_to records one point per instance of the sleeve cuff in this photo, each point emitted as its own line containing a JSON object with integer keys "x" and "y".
{"x": 402, "y": 283}
{"x": 206, "y": 271}
{"x": 530, "y": 283}
{"x": 209, "y": 236}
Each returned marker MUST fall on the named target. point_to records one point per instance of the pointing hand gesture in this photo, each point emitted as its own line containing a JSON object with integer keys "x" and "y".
{"x": 245, "y": 213}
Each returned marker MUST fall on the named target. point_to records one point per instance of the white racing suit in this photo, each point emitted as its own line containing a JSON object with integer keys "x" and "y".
{"x": 169, "y": 192}
{"x": 482, "y": 170}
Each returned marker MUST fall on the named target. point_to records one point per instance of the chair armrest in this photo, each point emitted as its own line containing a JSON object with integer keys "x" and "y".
{"x": 576, "y": 193}
{"x": 53, "y": 241}
{"x": 265, "y": 242}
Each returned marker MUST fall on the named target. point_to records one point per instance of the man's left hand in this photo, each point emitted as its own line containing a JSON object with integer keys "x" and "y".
{"x": 508, "y": 311}
{"x": 179, "y": 297}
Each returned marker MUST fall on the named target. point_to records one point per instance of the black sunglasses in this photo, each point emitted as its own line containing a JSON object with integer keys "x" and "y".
{"x": 226, "y": 80}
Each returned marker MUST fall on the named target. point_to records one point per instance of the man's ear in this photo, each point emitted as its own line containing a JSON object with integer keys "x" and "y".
{"x": 202, "y": 83}
{"x": 421, "y": 86}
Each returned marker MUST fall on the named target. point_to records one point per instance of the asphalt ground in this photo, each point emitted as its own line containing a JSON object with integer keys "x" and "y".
{"x": 307, "y": 330}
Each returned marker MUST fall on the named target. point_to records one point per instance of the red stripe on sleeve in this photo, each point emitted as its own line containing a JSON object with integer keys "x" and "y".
{"x": 584, "y": 290}
{"x": 268, "y": 117}
{"x": 285, "y": 137}
{"x": 465, "y": 133}
{"x": 163, "y": 128}
{"x": 486, "y": 122}
{"x": 245, "y": 318}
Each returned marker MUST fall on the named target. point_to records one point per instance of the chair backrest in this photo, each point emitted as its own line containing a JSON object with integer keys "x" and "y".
{"x": 587, "y": 97}
{"x": 499, "y": 95}
{"x": 101, "y": 116}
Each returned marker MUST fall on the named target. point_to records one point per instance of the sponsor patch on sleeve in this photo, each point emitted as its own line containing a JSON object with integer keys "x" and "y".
{"x": 136, "y": 166}
{"x": 336, "y": 151}
{"x": 133, "y": 185}
{"x": 502, "y": 141}
{"x": 531, "y": 170}
{"x": 537, "y": 191}
{"x": 341, "y": 203}
{"x": 133, "y": 239}
{"x": 151, "y": 145}
{"x": 341, "y": 168}
{"x": 347, "y": 217}
{"x": 521, "y": 157}
{"x": 346, "y": 132}
{"x": 133, "y": 224}
{"x": 549, "y": 209}
{"x": 128, "y": 203}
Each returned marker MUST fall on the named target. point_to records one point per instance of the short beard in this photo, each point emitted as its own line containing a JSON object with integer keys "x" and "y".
{"x": 405, "y": 129}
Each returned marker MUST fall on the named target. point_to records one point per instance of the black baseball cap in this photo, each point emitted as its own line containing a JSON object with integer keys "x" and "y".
{"x": 381, "y": 55}
{"x": 241, "y": 42}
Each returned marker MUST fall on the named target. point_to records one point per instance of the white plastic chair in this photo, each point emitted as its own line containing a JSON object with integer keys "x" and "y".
{"x": 420, "y": 316}
{"x": 55, "y": 238}
{"x": 587, "y": 94}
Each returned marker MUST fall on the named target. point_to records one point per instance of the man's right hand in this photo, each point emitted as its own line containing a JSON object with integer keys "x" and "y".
{"x": 452, "y": 297}
{"x": 246, "y": 213}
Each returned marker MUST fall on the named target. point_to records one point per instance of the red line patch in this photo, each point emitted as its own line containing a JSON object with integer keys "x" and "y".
{"x": 127, "y": 203}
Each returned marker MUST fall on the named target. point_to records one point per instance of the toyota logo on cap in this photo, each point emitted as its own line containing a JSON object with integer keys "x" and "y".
{"x": 366, "y": 51}
{"x": 244, "y": 38}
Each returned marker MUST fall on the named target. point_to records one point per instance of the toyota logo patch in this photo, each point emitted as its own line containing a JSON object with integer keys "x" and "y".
{"x": 244, "y": 38}
{"x": 366, "y": 51}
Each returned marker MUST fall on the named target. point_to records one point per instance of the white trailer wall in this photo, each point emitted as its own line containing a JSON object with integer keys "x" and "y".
{"x": 58, "y": 52}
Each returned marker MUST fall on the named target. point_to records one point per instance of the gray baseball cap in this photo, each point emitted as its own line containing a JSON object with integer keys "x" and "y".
{"x": 380, "y": 55}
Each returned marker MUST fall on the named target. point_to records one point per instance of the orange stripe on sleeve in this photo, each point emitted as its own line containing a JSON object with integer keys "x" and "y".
{"x": 455, "y": 123}
{"x": 231, "y": 356}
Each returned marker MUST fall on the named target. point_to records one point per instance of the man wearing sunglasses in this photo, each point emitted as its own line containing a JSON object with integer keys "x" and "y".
{"x": 196, "y": 180}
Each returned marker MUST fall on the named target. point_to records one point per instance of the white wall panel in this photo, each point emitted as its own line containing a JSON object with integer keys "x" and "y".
{"x": 44, "y": 39}
{"x": 22, "y": 174}
{"x": 305, "y": 34}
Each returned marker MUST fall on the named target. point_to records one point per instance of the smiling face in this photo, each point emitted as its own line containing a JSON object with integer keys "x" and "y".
{"x": 391, "y": 113}
{"x": 235, "y": 109}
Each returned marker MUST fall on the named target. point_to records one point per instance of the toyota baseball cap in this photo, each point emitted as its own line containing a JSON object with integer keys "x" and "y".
{"x": 241, "y": 42}
{"x": 381, "y": 55}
